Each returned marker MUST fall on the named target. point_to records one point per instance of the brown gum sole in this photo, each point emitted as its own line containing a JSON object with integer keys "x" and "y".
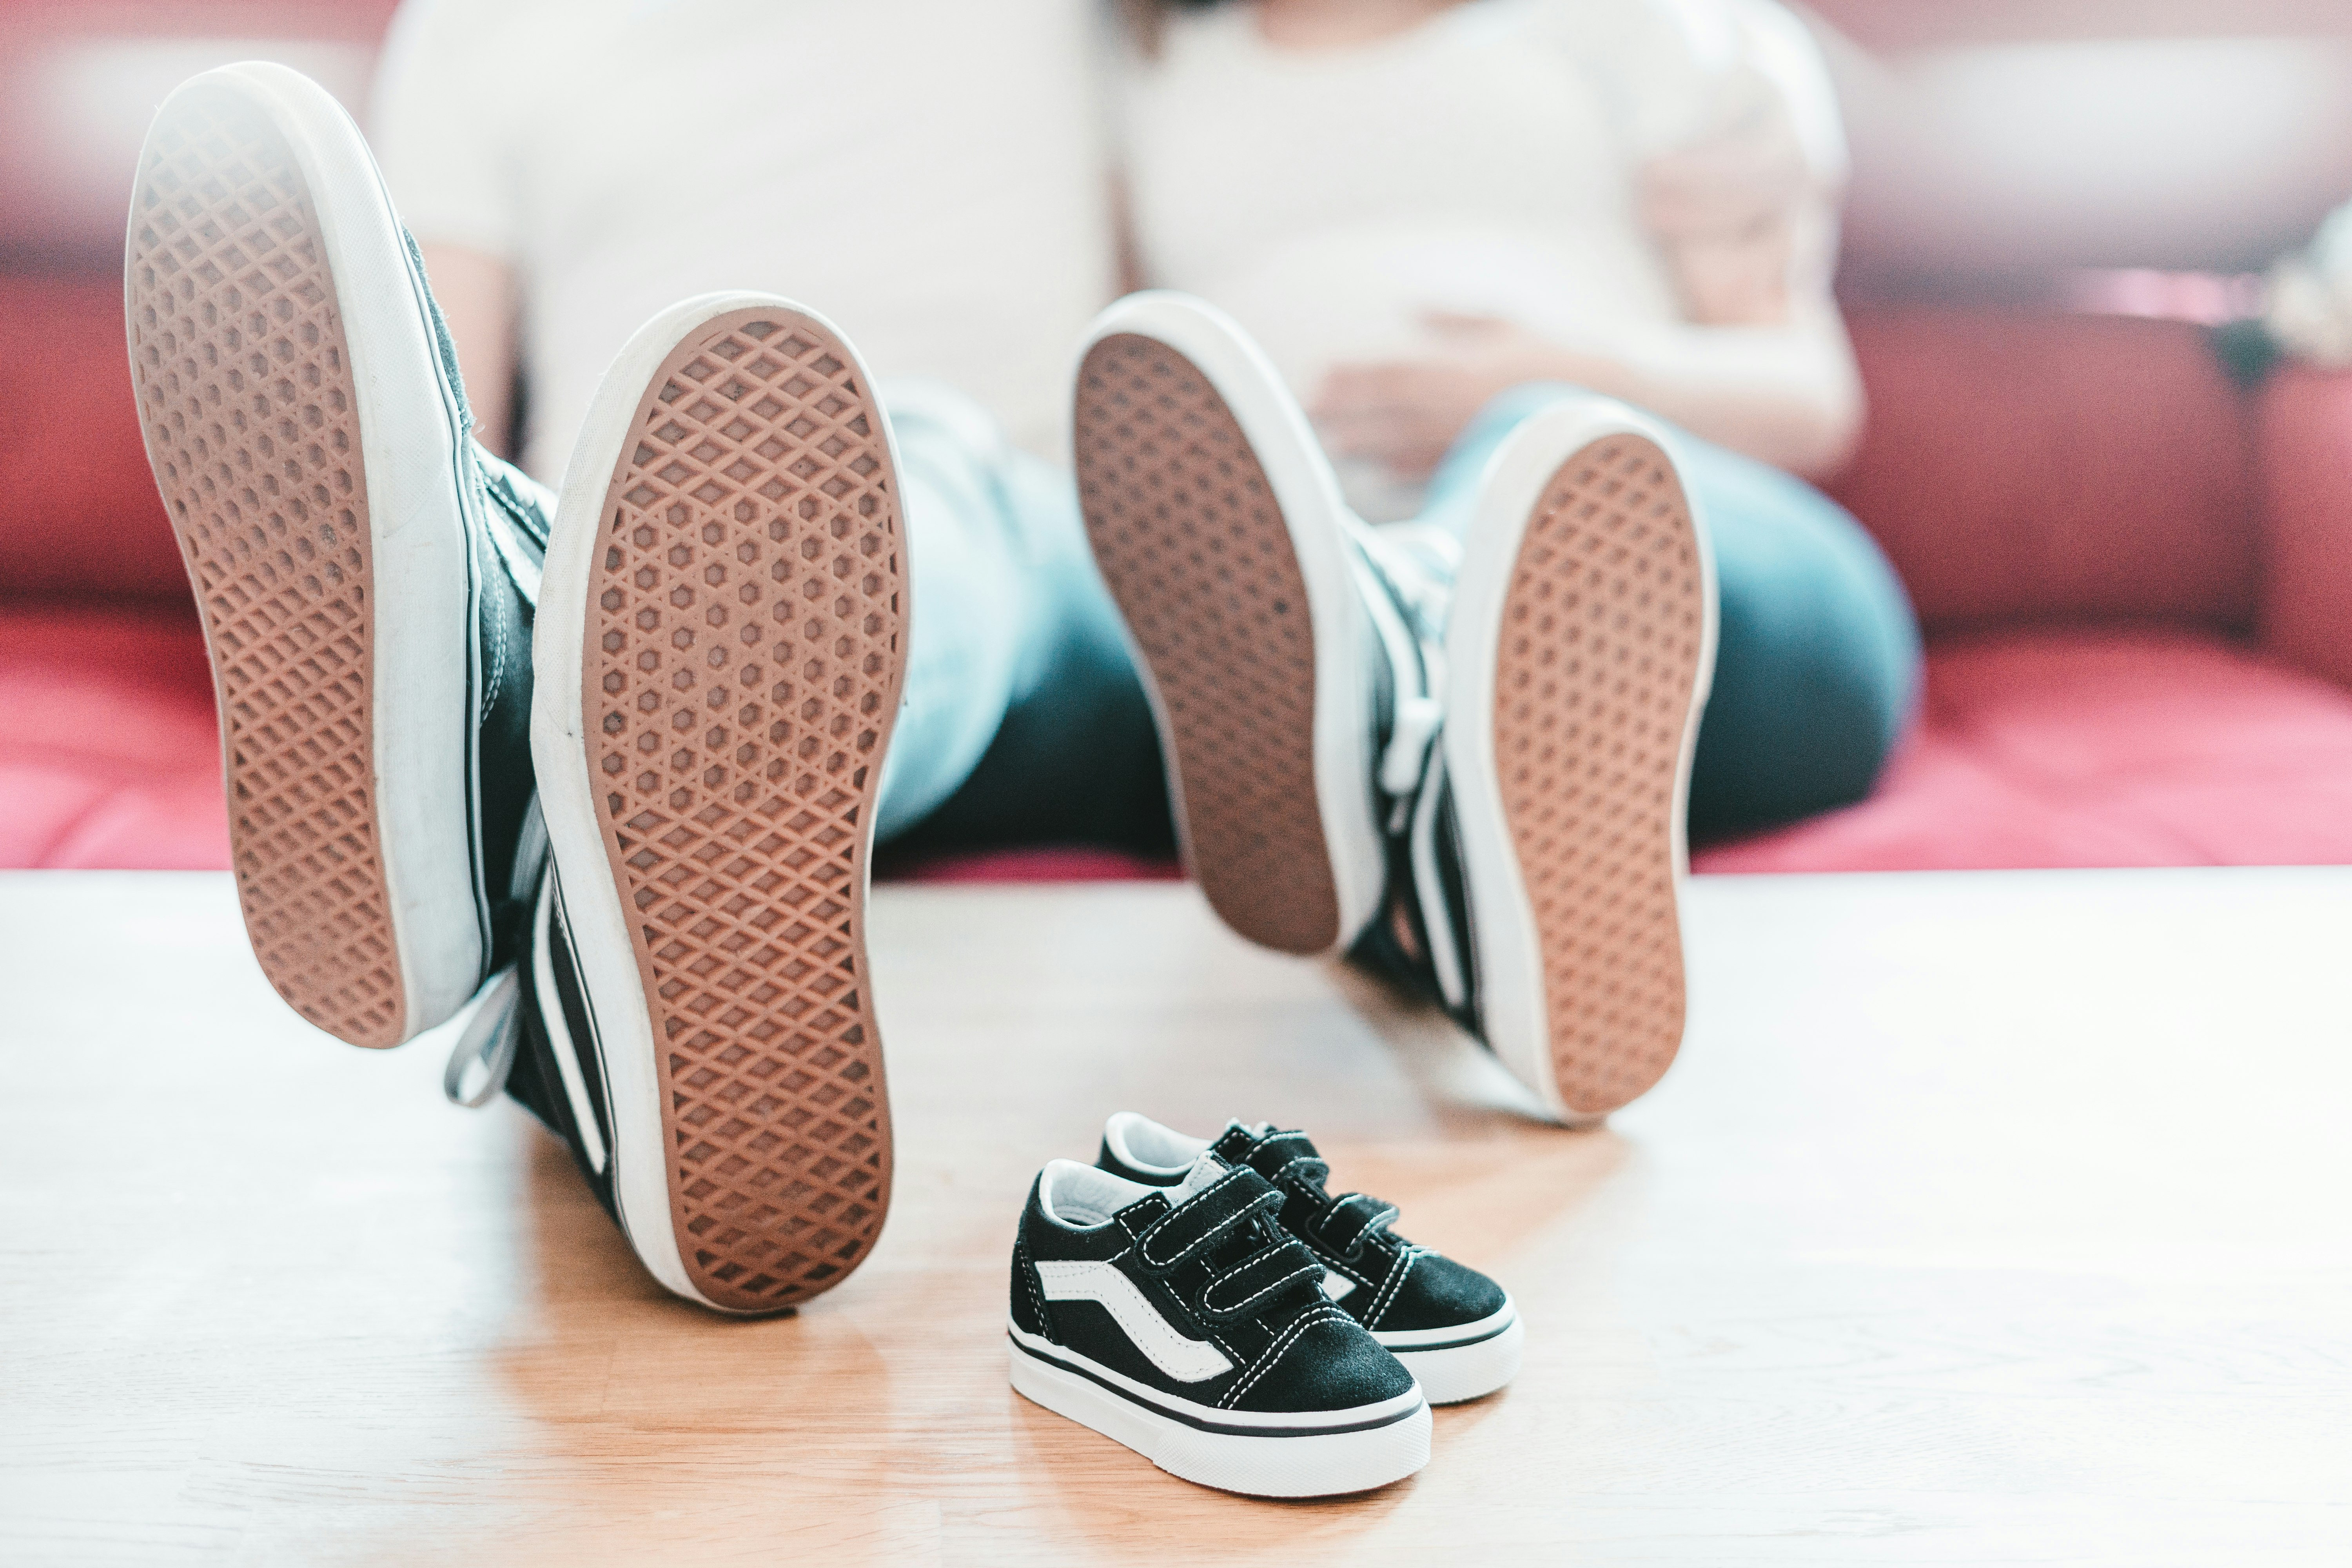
{"x": 745, "y": 649}
{"x": 1193, "y": 546}
{"x": 1603, "y": 628}
{"x": 244, "y": 393}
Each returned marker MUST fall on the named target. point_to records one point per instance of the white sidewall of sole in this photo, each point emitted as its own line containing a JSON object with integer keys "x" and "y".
{"x": 1324, "y": 1466}
{"x": 1466, "y": 1372}
{"x": 423, "y": 609}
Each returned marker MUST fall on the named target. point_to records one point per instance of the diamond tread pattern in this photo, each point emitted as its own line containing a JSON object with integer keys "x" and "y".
{"x": 245, "y": 392}
{"x": 745, "y": 651}
{"x": 1603, "y": 628}
{"x": 1193, "y": 546}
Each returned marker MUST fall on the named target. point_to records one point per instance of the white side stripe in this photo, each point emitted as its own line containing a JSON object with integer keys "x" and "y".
{"x": 1336, "y": 1284}
{"x": 559, "y": 1033}
{"x": 1186, "y": 1360}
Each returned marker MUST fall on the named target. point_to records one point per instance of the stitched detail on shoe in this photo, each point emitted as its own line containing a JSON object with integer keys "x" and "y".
{"x": 1282, "y": 1343}
{"x": 1391, "y": 1287}
{"x": 1363, "y": 1281}
{"x": 1209, "y": 1199}
{"x": 1173, "y": 1352}
{"x": 1028, "y": 1267}
{"x": 1304, "y": 1265}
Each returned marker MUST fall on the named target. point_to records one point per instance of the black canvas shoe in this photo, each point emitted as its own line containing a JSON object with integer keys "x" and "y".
{"x": 1186, "y": 1324}
{"x": 1454, "y": 1329}
{"x": 720, "y": 647}
{"x": 364, "y": 569}
{"x": 1537, "y": 853}
{"x": 1465, "y": 764}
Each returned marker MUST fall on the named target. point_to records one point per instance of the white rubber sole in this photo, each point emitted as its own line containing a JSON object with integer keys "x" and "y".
{"x": 1509, "y": 958}
{"x": 607, "y": 961}
{"x": 423, "y": 620}
{"x": 1474, "y": 1360}
{"x": 1234, "y": 1451}
{"x": 1307, "y": 493}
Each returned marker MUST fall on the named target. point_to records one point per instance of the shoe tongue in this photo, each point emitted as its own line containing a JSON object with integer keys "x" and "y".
{"x": 1203, "y": 1175}
{"x": 1240, "y": 1139}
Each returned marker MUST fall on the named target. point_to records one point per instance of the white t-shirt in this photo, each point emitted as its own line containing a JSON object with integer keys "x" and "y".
{"x": 929, "y": 174}
{"x": 1480, "y": 163}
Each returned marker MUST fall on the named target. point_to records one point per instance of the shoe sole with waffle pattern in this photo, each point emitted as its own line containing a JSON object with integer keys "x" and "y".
{"x": 265, "y": 283}
{"x": 721, "y": 647}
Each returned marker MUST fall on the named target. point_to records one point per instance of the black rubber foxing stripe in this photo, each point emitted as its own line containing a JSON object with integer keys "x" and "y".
{"x": 1220, "y": 1427}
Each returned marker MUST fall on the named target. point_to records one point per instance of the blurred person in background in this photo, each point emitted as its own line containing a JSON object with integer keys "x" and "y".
{"x": 927, "y": 173}
{"x": 1437, "y": 216}
{"x": 936, "y": 177}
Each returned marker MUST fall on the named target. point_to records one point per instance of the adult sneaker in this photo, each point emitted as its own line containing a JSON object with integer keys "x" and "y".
{"x": 721, "y": 647}
{"x": 1186, "y": 1324}
{"x": 1218, "y": 526}
{"x": 1536, "y": 864}
{"x": 1454, "y": 1329}
{"x": 364, "y": 569}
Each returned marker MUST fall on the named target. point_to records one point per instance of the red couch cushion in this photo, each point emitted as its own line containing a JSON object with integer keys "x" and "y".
{"x": 2307, "y": 445}
{"x": 81, "y": 516}
{"x": 108, "y": 756}
{"x": 2094, "y": 748}
{"x": 2037, "y": 749}
{"x": 2032, "y": 467}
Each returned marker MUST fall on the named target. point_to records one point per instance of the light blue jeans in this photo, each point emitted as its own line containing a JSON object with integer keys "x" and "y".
{"x": 1024, "y": 718}
{"x": 1024, "y": 721}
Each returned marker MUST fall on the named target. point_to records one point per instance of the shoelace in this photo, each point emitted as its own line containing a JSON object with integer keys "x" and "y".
{"x": 488, "y": 1045}
{"x": 1408, "y": 571}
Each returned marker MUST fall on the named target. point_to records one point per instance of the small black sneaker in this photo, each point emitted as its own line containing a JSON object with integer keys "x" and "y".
{"x": 365, "y": 571}
{"x": 1454, "y": 1329}
{"x": 720, "y": 647}
{"x": 1185, "y": 1322}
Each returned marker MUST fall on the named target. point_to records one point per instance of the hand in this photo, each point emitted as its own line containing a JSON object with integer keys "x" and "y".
{"x": 1724, "y": 210}
{"x": 1407, "y": 414}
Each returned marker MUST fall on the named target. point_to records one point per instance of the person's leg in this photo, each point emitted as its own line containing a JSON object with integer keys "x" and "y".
{"x": 1817, "y": 664}
{"x": 1023, "y": 717}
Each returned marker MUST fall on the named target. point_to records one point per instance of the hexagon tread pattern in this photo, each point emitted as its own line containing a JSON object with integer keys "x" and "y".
{"x": 744, "y": 653}
{"x": 1187, "y": 531}
{"x": 1603, "y": 629}
{"x": 245, "y": 393}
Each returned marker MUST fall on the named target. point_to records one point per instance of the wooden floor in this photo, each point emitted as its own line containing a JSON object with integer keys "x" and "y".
{"x": 1986, "y": 1219}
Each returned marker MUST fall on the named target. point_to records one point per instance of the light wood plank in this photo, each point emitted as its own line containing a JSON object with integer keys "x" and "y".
{"x": 1987, "y": 1218}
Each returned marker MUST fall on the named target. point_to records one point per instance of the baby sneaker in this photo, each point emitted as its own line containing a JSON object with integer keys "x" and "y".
{"x": 1454, "y": 1329}
{"x": 1182, "y": 1321}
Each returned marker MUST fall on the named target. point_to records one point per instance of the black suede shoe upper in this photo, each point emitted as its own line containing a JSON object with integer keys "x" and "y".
{"x": 1391, "y": 1285}
{"x": 510, "y": 520}
{"x": 1397, "y": 946}
{"x": 1218, "y": 1271}
{"x": 543, "y": 1013}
